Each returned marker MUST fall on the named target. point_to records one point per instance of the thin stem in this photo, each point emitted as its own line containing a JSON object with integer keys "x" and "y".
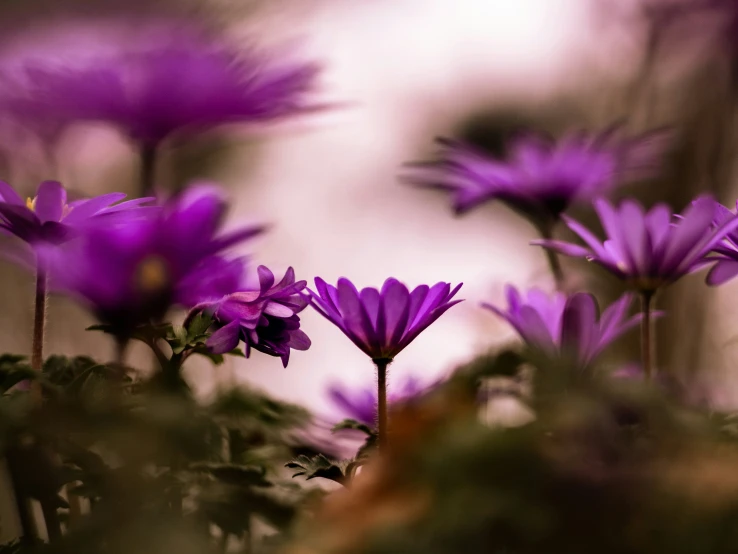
{"x": 546, "y": 231}
{"x": 646, "y": 346}
{"x": 39, "y": 328}
{"x": 147, "y": 175}
{"x": 382, "y": 438}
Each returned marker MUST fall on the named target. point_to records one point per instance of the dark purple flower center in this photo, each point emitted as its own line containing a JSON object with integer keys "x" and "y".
{"x": 152, "y": 275}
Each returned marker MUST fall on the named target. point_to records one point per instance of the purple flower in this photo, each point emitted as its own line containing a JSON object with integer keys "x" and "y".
{"x": 566, "y": 328}
{"x": 541, "y": 178}
{"x": 726, "y": 251}
{"x": 265, "y": 318}
{"x": 360, "y": 404}
{"x": 130, "y": 274}
{"x": 382, "y": 323}
{"x": 190, "y": 84}
{"x": 648, "y": 250}
{"x": 48, "y": 219}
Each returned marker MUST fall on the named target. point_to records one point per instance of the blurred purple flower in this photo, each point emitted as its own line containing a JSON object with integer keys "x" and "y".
{"x": 47, "y": 219}
{"x": 648, "y": 250}
{"x": 265, "y": 319}
{"x": 564, "y": 327}
{"x": 360, "y": 403}
{"x": 725, "y": 251}
{"x": 189, "y": 84}
{"x": 130, "y": 274}
{"x": 382, "y": 323}
{"x": 541, "y": 178}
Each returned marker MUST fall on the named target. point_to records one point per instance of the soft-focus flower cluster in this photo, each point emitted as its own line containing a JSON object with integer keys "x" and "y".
{"x": 382, "y": 322}
{"x": 649, "y": 249}
{"x": 540, "y": 178}
{"x": 150, "y": 92}
{"x": 565, "y": 328}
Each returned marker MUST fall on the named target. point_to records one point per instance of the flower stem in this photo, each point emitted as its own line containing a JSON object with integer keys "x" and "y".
{"x": 546, "y": 231}
{"x": 646, "y": 337}
{"x": 147, "y": 175}
{"x": 382, "y": 438}
{"x": 39, "y": 325}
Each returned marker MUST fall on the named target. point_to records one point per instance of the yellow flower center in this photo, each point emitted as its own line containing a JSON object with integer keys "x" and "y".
{"x": 152, "y": 275}
{"x": 31, "y": 204}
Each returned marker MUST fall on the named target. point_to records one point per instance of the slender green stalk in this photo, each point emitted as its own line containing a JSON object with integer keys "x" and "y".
{"x": 647, "y": 352}
{"x": 382, "y": 438}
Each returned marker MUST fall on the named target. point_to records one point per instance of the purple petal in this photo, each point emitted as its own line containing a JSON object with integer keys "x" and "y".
{"x": 278, "y": 310}
{"x": 578, "y": 327}
{"x": 396, "y": 301}
{"x": 8, "y": 194}
{"x": 565, "y": 248}
{"x": 266, "y": 278}
{"x": 50, "y": 201}
{"x": 87, "y": 208}
{"x": 299, "y": 340}
{"x": 224, "y": 339}
{"x": 722, "y": 272}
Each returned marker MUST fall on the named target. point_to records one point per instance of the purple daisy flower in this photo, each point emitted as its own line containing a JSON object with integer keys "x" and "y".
{"x": 726, "y": 251}
{"x": 47, "y": 219}
{"x": 382, "y": 323}
{"x": 264, "y": 318}
{"x": 564, "y": 327}
{"x": 360, "y": 404}
{"x": 130, "y": 274}
{"x": 649, "y": 249}
{"x": 541, "y": 178}
{"x": 190, "y": 83}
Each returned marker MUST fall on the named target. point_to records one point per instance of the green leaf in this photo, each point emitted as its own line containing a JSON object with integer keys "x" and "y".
{"x": 320, "y": 466}
{"x": 198, "y": 327}
{"x": 233, "y": 474}
{"x": 355, "y": 425}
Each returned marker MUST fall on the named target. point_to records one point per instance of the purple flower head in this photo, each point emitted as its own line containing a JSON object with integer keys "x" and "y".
{"x": 189, "y": 83}
{"x": 648, "y": 250}
{"x": 566, "y": 328}
{"x": 724, "y": 252}
{"x": 360, "y": 404}
{"x": 382, "y": 323}
{"x": 264, "y": 318}
{"x": 130, "y": 274}
{"x": 540, "y": 178}
{"x": 47, "y": 219}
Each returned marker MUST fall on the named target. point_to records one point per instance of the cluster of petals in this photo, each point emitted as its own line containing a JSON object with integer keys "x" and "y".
{"x": 725, "y": 252}
{"x": 130, "y": 274}
{"x": 649, "y": 249}
{"x": 264, "y": 318}
{"x": 382, "y": 322}
{"x": 540, "y": 178}
{"x": 568, "y": 328}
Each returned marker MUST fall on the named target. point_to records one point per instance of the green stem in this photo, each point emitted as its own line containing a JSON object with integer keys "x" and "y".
{"x": 646, "y": 336}
{"x": 382, "y": 438}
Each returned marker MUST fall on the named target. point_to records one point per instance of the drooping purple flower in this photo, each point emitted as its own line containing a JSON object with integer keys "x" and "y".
{"x": 130, "y": 274}
{"x": 382, "y": 323}
{"x": 153, "y": 91}
{"x": 360, "y": 403}
{"x": 568, "y": 328}
{"x": 264, "y": 318}
{"x": 47, "y": 219}
{"x": 724, "y": 252}
{"x": 541, "y": 178}
{"x": 648, "y": 249}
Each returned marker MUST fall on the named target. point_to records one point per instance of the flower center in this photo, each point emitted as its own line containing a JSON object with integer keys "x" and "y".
{"x": 31, "y": 205}
{"x": 152, "y": 275}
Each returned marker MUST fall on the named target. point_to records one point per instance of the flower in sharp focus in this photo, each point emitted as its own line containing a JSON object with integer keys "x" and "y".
{"x": 47, "y": 219}
{"x": 540, "y": 178}
{"x": 162, "y": 88}
{"x": 382, "y": 323}
{"x": 131, "y": 274}
{"x": 648, "y": 249}
{"x": 360, "y": 403}
{"x": 564, "y": 327}
{"x": 264, "y": 318}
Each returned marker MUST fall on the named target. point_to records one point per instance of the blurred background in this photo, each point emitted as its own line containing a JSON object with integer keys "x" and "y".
{"x": 400, "y": 73}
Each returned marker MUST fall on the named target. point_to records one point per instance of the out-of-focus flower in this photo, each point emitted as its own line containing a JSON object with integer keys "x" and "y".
{"x": 567, "y": 328}
{"x": 725, "y": 251}
{"x": 360, "y": 403}
{"x": 190, "y": 83}
{"x": 265, "y": 319}
{"x": 47, "y": 219}
{"x": 648, "y": 250}
{"x": 129, "y": 274}
{"x": 541, "y": 178}
{"x": 382, "y": 323}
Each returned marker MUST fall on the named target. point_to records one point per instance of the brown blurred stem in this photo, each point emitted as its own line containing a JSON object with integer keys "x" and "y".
{"x": 546, "y": 232}
{"x": 39, "y": 328}
{"x": 382, "y": 438}
{"x": 646, "y": 336}
{"x": 149, "y": 154}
